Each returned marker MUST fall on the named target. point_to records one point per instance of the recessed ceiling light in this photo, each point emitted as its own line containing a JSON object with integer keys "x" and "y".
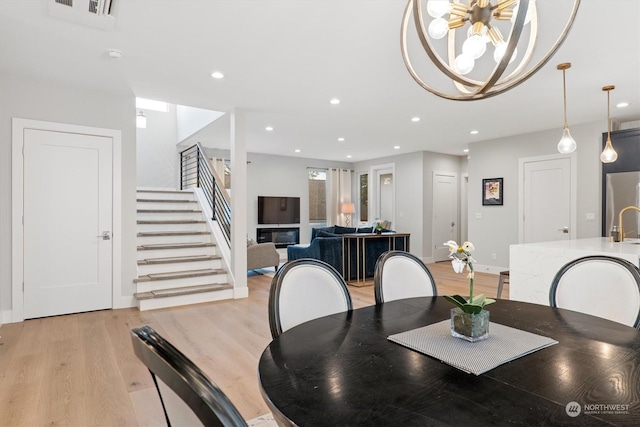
{"x": 349, "y": 156}
{"x": 396, "y": 147}
{"x": 297, "y": 150}
{"x": 335, "y": 101}
{"x": 622, "y": 105}
{"x": 415, "y": 119}
{"x": 114, "y": 53}
{"x": 474, "y": 132}
{"x": 217, "y": 75}
{"x": 341, "y": 139}
{"x": 269, "y": 128}
{"x": 466, "y": 150}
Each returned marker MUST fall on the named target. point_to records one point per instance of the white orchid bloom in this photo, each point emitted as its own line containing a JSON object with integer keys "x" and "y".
{"x": 468, "y": 247}
{"x": 458, "y": 265}
{"x": 453, "y": 246}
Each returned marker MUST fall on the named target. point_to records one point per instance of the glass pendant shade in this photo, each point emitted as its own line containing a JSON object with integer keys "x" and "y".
{"x": 567, "y": 144}
{"x": 608, "y": 155}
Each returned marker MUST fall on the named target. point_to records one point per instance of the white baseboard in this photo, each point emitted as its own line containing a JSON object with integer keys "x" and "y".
{"x": 127, "y": 301}
{"x": 6, "y": 316}
{"x": 242, "y": 292}
{"x": 489, "y": 269}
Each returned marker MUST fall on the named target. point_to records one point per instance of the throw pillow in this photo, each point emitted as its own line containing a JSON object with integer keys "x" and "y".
{"x": 344, "y": 230}
{"x": 251, "y": 242}
{"x": 365, "y": 230}
{"x": 327, "y": 234}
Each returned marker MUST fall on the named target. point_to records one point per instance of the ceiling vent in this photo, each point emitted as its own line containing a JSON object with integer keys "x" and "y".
{"x": 92, "y": 13}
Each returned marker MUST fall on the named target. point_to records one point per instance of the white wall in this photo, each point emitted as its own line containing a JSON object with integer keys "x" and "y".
{"x": 50, "y": 101}
{"x": 157, "y": 159}
{"x": 191, "y": 120}
{"x": 269, "y": 175}
{"x": 498, "y": 227}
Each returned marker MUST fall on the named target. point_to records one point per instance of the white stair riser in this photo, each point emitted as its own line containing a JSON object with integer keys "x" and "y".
{"x": 150, "y": 304}
{"x": 166, "y": 205}
{"x": 167, "y": 216}
{"x": 186, "y": 195}
{"x": 166, "y": 253}
{"x": 145, "y": 269}
{"x": 155, "y": 285}
{"x": 156, "y": 240}
{"x": 142, "y": 228}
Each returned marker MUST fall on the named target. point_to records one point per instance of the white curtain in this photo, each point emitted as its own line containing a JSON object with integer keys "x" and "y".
{"x": 339, "y": 192}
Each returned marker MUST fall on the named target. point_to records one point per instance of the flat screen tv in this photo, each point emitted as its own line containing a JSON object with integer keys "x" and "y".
{"x": 278, "y": 210}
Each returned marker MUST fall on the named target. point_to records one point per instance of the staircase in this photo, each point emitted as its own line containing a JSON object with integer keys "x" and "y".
{"x": 178, "y": 262}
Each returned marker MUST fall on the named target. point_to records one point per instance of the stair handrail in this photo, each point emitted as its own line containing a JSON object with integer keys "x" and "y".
{"x": 196, "y": 172}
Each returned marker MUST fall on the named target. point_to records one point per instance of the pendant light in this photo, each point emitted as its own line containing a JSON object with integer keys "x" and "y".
{"x": 567, "y": 144}
{"x": 608, "y": 155}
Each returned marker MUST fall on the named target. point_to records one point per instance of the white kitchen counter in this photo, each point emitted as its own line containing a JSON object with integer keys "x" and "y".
{"x": 532, "y": 266}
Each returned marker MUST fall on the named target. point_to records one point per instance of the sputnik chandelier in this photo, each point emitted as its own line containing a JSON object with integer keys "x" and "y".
{"x": 479, "y": 22}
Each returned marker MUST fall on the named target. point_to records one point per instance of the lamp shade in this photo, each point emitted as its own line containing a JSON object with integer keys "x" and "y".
{"x": 348, "y": 208}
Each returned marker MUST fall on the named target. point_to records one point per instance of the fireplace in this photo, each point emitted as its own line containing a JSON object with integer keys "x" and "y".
{"x": 282, "y": 237}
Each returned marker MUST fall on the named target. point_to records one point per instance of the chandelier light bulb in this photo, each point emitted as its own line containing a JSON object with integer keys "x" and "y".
{"x": 474, "y": 46}
{"x": 438, "y": 28}
{"x": 527, "y": 17}
{"x": 464, "y": 63}
{"x": 500, "y": 50}
{"x": 567, "y": 144}
{"x": 437, "y": 8}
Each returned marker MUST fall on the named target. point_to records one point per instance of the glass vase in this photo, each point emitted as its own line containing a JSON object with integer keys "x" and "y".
{"x": 470, "y": 327}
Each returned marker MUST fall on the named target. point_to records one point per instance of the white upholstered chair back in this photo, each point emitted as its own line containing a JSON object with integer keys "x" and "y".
{"x": 305, "y": 289}
{"x": 601, "y": 286}
{"x": 401, "y": 275}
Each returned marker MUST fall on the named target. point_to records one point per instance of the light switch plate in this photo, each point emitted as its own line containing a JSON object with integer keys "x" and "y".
{"x": 591, "y": 217}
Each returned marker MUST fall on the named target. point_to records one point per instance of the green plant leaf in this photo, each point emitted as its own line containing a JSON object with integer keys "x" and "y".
{"x": 478, "y": 300}
{"x": 456, "y": 299}
{"x": 472, "y": 308}
{"x": 488, "y": 301}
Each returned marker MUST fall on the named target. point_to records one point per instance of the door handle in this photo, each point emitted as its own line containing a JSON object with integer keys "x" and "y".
{"x": 106, "y": 235}
{"x": 565, "y": 230}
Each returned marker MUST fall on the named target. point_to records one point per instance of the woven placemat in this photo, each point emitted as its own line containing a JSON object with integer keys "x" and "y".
{"x": 503, "y": 345}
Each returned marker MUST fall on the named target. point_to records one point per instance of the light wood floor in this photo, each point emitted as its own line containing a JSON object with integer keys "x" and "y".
{"x": 80, "y": 370}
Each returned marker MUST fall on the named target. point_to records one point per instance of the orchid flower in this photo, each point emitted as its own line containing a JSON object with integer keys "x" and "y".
{"x": 461, "y": 258}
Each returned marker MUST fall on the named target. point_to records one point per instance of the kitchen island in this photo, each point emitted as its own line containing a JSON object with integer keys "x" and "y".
{"x": 532, "y": 266}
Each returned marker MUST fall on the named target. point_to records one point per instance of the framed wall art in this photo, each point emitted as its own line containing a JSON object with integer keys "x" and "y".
{"x": 492, "y": 192}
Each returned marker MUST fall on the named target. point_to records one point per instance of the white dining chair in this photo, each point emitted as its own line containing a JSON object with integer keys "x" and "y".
{"x": 601, "y": 286}
{"x": 399, "y": 275}
{"x": 305, "y": 289}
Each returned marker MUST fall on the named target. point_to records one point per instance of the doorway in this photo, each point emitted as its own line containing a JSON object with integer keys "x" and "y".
{"x": 63, "y": 193}
{"x": 445, "y": 213}
{"x": 548, "y": 199}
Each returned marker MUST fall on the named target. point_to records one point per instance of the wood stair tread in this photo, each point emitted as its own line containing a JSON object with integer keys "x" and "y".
{"x": 165, "y": 201}
{"x": 169, "y": 211}
{"x": 171, "y": 233}
{"x": 188, "y": 290}
{"x": 165, "y": 191}
{"x": 170, "y": 260}
{"x": 176, "y": 221}
{"x": 179, "y": 275}
{"x": 174, "y": 246}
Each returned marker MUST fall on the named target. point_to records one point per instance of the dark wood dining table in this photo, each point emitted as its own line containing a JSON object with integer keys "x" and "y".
{"x": 341, "y": 370}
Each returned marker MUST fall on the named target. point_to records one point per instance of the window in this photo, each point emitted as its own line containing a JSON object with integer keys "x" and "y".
{"x": 317, "y": 196}
{"x": 364, "y": 197}
{"x": 150, "y": 104}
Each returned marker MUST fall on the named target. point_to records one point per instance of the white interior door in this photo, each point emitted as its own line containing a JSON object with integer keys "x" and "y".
{"x": 67, "y": 200}
{"x": 445, "y": 210}
{"x": 547, "y": 201}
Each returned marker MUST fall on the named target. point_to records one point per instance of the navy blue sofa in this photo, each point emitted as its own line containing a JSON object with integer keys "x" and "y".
{"x": 326, "y": 245}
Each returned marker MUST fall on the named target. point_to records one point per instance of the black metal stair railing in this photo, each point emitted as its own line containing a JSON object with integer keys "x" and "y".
{"x": 196, "y": 172}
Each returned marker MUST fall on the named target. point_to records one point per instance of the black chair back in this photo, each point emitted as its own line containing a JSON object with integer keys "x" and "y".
{"x": 175, "y": 376}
